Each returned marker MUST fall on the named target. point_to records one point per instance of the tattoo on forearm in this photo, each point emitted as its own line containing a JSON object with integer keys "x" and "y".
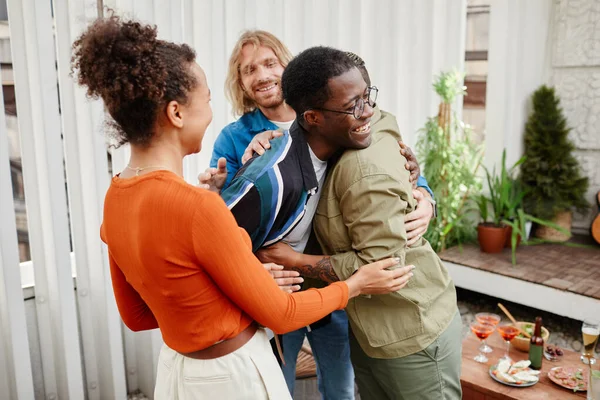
{"x": 322, "y": 270}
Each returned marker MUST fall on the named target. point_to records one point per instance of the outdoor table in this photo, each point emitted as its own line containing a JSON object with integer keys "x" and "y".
{"x": 477, "y": 384}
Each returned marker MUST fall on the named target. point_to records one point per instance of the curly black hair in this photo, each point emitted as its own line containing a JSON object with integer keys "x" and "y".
{"x": 133, "y": 72}
{"x": 360, "y": 64}
{"x": 305, "y": 79}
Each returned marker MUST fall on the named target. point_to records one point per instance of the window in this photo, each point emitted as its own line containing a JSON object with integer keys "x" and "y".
{"x": 476, "y": 56}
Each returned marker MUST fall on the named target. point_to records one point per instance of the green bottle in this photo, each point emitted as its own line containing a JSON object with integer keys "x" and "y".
{"x": 536, "y": 346}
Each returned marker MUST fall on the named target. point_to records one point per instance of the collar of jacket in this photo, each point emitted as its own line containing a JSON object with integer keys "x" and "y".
{"x": 309, "y": 177}
{"x": 257, "y": 122}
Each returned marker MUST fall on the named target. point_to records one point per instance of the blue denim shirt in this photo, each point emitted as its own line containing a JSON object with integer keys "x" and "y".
{"x": 235, "y": 138}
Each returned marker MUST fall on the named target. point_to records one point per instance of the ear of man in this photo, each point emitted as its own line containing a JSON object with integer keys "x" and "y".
{"x": 312, "y": 117}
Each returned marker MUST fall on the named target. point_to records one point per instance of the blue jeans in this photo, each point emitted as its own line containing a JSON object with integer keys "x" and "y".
{"x": 331, "y": 349}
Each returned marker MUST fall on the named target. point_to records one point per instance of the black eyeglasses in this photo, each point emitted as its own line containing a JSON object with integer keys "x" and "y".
{"x": 359, "y": 107}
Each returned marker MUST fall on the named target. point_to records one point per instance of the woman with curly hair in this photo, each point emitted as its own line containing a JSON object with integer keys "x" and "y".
{"x": 178, "y": 261}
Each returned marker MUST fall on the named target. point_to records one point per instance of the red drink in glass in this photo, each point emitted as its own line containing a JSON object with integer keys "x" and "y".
{"x": 490, "y": 319}
{"x": 508, "y": 333}
{"x": 482, "y": 331}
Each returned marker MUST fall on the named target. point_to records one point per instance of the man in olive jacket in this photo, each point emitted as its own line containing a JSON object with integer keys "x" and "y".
{"x": 407, "y": 344}
{"x": 404, "y": 345}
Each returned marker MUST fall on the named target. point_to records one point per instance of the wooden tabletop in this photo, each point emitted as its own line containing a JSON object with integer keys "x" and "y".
{"x": 477, "y": 383}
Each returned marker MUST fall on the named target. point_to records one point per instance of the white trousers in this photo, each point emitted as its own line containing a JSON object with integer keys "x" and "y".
{"x": 249, "y": 373}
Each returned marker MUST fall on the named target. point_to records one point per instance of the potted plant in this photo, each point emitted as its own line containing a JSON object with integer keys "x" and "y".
{"x": 509, "y": 221}
{"x": 450, "y": 161}
{"x": 504, "y": 199}
{"x": 551, "y": 175}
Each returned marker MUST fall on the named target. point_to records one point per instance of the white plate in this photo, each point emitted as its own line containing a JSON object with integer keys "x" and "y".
{"x": 522, "y": 385}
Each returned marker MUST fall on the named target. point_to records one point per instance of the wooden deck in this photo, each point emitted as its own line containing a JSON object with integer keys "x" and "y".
{"x": 557, "y": 278}
{"x": 573, "y": 269}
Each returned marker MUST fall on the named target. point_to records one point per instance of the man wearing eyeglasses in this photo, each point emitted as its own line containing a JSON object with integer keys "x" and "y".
{"x": 275, "y": 196}
{"x": 407, "y": 344}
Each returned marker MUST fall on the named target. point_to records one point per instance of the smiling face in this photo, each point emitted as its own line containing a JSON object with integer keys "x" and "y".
{"x": 260, "y": 75}
{"x": 343, "y": 130}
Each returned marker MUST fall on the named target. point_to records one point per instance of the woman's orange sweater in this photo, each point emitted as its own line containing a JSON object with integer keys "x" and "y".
{"x": 180, "y": 263}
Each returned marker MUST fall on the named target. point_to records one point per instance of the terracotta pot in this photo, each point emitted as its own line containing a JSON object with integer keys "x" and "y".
{"x": 563, "y": 220}
{"x": 491, "y": 237}
{"x": 508, "y": 235}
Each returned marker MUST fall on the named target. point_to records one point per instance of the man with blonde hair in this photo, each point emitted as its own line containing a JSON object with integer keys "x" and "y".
{"x": 253, "y": 87}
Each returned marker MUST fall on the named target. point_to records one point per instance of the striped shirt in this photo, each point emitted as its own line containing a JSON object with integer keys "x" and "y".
{"x": 269, "y": 193}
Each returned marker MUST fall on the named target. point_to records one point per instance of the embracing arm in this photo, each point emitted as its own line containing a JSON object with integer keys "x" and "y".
{"x": 373, "y": 210}
{"x": 309, "y": 266}
{"x": 221, "y": 250}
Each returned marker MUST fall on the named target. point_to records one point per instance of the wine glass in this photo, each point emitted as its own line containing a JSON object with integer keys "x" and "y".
{"x": 589, "y": 331}
{"x": 508, "y": 332}
{"x": 482, "y": 331}
{"x": 489, "y": 319}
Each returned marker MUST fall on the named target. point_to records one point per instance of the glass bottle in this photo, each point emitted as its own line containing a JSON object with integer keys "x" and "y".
{"x": 536, "y": 345}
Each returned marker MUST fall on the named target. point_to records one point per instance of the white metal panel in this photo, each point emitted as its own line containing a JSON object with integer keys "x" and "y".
{"x": 87, "y": 173}
{"x": 16, "y": 379}
{"x": 34, "y": 61}
{"x": 517, "y": 65}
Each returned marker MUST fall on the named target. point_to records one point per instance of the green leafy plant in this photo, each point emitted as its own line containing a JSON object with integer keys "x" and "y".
{"x": 505, "y": 199}
{"x": 450, "y": 161}
{"x": 551, "y": 174}
{"x": 505, "y": 192}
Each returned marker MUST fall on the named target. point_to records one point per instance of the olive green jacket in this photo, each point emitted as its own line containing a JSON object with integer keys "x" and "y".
{"x": 360, "y": 219}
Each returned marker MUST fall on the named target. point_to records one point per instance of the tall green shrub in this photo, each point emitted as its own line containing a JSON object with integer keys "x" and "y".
{"x": 450, "y": 161}
{"x": 551, "y": 175}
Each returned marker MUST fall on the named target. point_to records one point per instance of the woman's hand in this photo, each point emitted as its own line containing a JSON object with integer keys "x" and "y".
{"x": 417, "y": 221}
{"x": 259, "y": 144}
{"x": 375, "y": 278}
{"x": 279, "y": 253}
{"x": 213, "y": 179}
{"x": 288, "y": 281}
{"x": 411, "y": 163}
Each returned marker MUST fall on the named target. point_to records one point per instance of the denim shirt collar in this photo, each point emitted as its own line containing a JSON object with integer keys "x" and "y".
{"x": 259, "y": 123}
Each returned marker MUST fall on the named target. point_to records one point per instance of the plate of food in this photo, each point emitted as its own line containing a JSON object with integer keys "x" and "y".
{"x": 571, "y": 378}
{"x": 514, "y": 374}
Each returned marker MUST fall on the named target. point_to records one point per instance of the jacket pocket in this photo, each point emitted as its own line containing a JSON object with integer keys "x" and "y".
{"x": 331, "y": 225}
{"x": 386, "y": 319}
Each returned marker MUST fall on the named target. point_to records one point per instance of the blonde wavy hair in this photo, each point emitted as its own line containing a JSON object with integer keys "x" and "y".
{"x": 240, "y": 103}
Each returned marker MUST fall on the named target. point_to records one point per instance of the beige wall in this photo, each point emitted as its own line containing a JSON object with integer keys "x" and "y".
{"x": 575, "y": 72}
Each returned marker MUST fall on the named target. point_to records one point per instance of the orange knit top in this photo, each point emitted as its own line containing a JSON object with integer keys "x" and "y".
{"x": 180, "y": 263}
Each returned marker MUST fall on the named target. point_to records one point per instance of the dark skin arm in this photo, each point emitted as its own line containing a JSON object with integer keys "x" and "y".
{"x": 309, "y": 266}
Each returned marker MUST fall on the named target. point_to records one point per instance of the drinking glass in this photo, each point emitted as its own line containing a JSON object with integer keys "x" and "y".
{"x": 482, "y": 331}
{"x": 589, "y": 331}
{"x": 489, "y": 319}
{"x": 508, "y": 332}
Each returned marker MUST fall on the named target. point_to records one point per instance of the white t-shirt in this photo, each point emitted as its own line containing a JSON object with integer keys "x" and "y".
{"x": 298, "y": 237}
{"x": 283, "y": 125}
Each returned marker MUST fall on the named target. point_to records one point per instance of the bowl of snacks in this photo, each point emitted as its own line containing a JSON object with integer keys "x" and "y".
{"x": 520, "y": 342}
{"x": 553, "y": 352}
